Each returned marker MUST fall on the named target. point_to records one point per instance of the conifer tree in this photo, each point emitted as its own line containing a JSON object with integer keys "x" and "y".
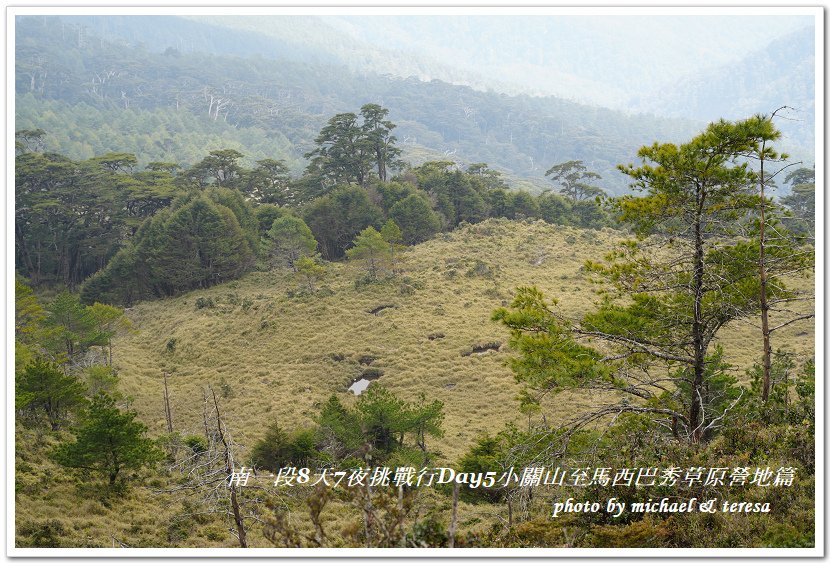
{"x": 391, "y": 233}
{"x": 74, "y": 328}
{"x": 336, "y": 219}
{"x": 378, "y": 131}
{"x": 573, "y": 177}
{"x": 43, "y": 386}
{"x": 373, "y": 250}
{"x": 343, "y": 152}
{"x": 289, "y": 240}
{"x": 311, "y": 270}
{"x": 109, "y": 441}
{"x": 416, "y": 219}
{"x": 669, "y": 292}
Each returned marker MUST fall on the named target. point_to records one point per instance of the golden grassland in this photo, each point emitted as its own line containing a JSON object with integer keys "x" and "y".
{"x": 278, "y": 357}
{"x": 284, "y": 355}
{"x": 274, "y": 355}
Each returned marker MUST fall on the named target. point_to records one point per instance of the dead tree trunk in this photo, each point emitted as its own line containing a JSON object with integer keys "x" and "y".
{"x": 204, "y": 416}
{"x": 168, "y": 414}
{"x": 453, "y": 518}
{"x": 401, "y": 517}
{"x": 229, "y": 469}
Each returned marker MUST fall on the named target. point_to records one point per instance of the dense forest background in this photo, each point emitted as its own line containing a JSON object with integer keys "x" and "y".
{"x": 104, "y": 85}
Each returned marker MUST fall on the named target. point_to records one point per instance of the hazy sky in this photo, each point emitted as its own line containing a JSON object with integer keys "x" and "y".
{"x": 601, "y": 59}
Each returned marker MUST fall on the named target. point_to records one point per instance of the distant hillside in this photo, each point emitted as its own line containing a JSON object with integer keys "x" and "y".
{"x": 780, "y": 74}
{"x": 124, "y": 96}
{"x": 598, "y": 58}
{"x": 591, "y": 59}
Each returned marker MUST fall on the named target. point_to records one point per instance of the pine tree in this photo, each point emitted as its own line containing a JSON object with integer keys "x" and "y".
{"x": 108, "y": 321}
{"x": 109, "y": 441}
{"x": 668, "y": 293}
{"x": 375, "y": 253}
{"x": 43, "y": 386}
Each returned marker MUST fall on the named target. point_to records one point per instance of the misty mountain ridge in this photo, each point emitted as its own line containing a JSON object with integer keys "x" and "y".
{"x": 578, "y": 58}
{"x": 322, "y": 68}
{"x": 782, "y": 73}
{"x": 602, "y": 59}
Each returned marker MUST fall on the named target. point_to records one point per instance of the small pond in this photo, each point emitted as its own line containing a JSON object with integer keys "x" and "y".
{"x": 359, "y": 385}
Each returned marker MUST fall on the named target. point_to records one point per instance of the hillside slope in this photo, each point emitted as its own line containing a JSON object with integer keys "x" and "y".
{"x": 272, "y": 355}
{"x": 278, "y": 357}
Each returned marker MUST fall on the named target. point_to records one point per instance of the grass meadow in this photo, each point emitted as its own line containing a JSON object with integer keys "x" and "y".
{"x": 272, "y": 353}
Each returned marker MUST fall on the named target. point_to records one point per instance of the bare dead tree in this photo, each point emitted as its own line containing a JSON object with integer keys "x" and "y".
{"x": 229, "y": 473}
{"x": 168, "y": 414}
{"x": 211, "y": 481}
{"x": 453, "y": 515}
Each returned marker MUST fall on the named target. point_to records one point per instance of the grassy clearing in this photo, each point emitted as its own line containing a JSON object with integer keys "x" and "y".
{"x": 280, "y": 357}
{"x": 271, "y": 356}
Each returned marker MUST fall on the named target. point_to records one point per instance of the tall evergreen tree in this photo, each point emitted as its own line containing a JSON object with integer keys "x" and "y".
{"x": 220, "y": 167}
{"x": 343, "y": 154}
{"x": 778, "y": 250}
{"x": 269, "y": 182}
{"x": 378, "y": 132}
{"x": 69, "y": 216}
{"x": 573, "y": 177}
{"x": 671, "y": 291}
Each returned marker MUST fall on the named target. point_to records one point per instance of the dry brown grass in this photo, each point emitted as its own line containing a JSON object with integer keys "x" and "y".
{"x": 270, "y": 356}
{"x": 281, "y": 357}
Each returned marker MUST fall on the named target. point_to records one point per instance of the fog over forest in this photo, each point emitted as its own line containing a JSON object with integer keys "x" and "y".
{"x": 591, "y": 76}
{"x": 613, "y": 61}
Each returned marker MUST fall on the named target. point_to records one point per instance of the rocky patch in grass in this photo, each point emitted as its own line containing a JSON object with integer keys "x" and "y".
{"x": 482, "y": 348}
{"x": 380, "y": 308}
